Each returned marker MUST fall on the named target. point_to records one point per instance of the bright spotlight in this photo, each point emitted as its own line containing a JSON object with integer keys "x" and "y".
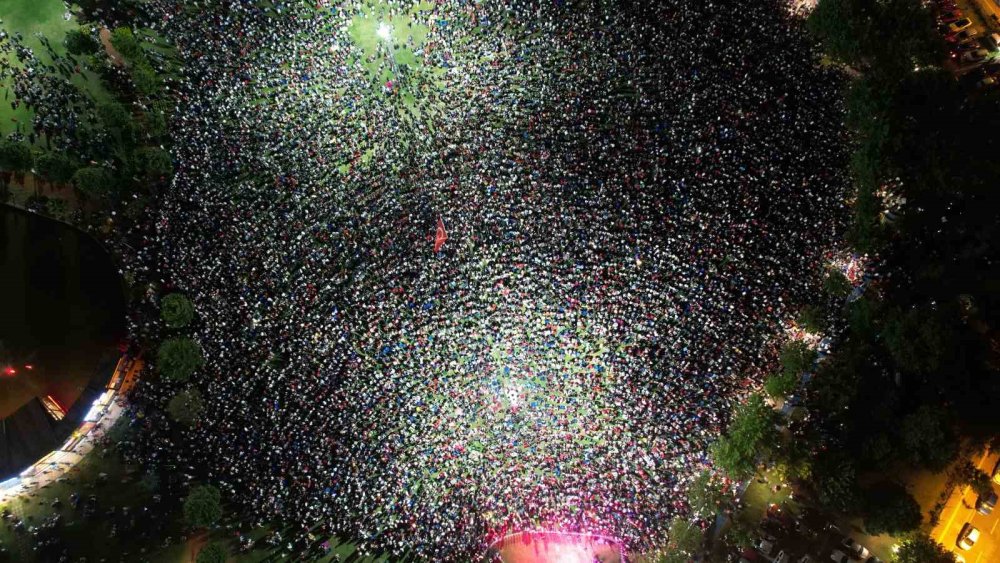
{"x": 384, "y": 31}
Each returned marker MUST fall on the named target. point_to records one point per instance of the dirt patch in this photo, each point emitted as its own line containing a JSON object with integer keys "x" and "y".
{"x": 116, "y": 57}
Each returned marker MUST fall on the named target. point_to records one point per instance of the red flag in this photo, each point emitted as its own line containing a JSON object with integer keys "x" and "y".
{"x": 440, "y": 236}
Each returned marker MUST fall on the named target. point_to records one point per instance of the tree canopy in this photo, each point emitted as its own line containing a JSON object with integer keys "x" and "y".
{"x": 705, "y": 495}
{"x": 927, "y": 438}
{"x": 15, "y": 157}
{"x": 93, "y": 182}
{"x": 186, "y": 407}
{"x": 176, "y": 310}
{"x": 213, "y": 552}
{"x": 203, "y": 506}
{"x": 177, "y": 358}
{"x": 54, "y": 167}
{"x": 893, "y": 34}
{"x": 836, "y": 481}
{"x": 751, "y": 433}
{"x": 890, "y": 509}
{"x": 685, "y": 537}
{"x": 81, "y": 41}
{"x": 920, "y": 548}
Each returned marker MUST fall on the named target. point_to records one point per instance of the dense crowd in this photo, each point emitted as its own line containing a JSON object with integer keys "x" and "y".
{"x": 635, "y": 195}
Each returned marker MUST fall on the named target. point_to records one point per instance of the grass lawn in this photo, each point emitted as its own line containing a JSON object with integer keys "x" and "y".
{"x": 30, "y": 18}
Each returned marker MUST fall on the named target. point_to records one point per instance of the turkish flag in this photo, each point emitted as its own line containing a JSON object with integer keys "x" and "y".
{"x": 440, "y": 236}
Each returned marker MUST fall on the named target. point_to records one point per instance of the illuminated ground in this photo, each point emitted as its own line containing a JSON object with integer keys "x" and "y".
{"x": 554, "y": 547}
{"x": 625, "y": 237}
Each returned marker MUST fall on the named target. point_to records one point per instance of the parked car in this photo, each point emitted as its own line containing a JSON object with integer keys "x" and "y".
{"x": 782, "y": 557}
{"x": 985, "y": 504}
{"x": 839, "y": 556}
{"x": 968, "y": 536}
{"x": 959, "y": 25}
{"x": 854, "y": 548}
{"x": 960, "y": 36}
{"x": 992, "y": 41}
{"x": 975, "y": 56}
{"x": 949, "y": 17}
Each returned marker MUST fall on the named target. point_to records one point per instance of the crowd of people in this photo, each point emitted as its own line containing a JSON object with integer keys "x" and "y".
{"x": 633, "y": 195}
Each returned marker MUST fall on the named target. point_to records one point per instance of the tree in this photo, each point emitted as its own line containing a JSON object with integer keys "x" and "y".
{"x": 927, "y": 438}
{"x": 811, "y": 318}
{"x": 15, "y": 157}
{"x": 843, "y": 27}
{"x": 918, "y": 340}
{"x": 685, "y": 537}
{"x": 118, "y": 121}
{"x": 145, "y": 78}
{"x": 55, "y": 167}
{"x": 177, "y": 358}
{"x": 203, "y": 506}
{"x": 891, "y": 35}
{"x": 124, "y": 42}
{"x": 186, "y": 407}
{"x": 780, "y": 384}
{"x": 214, "y": 552}
{"x": 794, "y": 460}
{"x": 705, "y": 495}
{"x": 114, "y": 116}
{"x": 796, "y": 358}
{"x": 890, "y": 509}
{"x": 968, "y": 474}
{"x": 751, "y": 433}
{"x": 176, "y": 310}
{"x": 81, "y": 41}
{"x": 156, "y": 120}
{"x": 920, "y": 548}
{"x": 836, "y": 481}
{"x": 836, "y": 284}
{"x": 861, "y": 318}
{"x": 93, "y": 182}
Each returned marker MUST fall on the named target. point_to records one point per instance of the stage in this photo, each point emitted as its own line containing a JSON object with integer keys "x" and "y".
{"x": 557, "y": 547}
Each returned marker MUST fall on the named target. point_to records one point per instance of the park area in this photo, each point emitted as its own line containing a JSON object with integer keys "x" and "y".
{"x": 43, "y": 24}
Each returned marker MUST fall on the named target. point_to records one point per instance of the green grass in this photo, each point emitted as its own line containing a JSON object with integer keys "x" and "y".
{"x": 46, "y": 17}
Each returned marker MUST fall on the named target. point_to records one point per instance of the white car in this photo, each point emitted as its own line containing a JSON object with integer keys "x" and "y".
{"x": 854, "y": 548}
{"x": 968, "y": 536}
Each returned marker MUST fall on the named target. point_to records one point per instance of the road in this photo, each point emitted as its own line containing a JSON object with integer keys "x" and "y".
{"x": 961, "y": 508}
